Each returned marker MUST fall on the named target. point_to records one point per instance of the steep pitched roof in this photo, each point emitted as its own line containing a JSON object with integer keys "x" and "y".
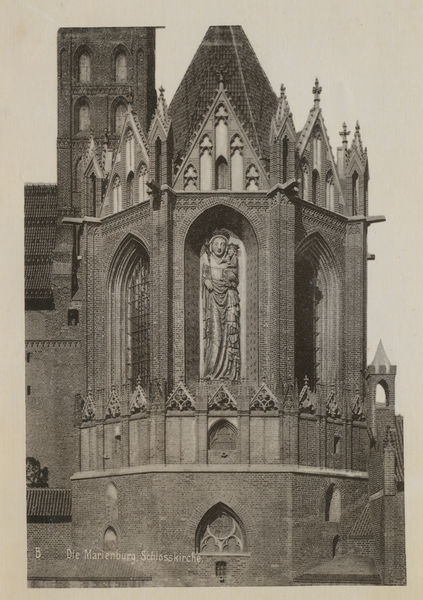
{"x": 40, "y": 237}
{"x": 225, "y": 50}
{"x": 380, "y": 357}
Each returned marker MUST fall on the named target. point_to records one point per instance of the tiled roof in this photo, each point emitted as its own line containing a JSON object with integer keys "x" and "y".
{"x": 363, "y": 526}
{"x": 224, "y": 50}
{"x": 49, "y": 504}
{"x": 40, "y": 237}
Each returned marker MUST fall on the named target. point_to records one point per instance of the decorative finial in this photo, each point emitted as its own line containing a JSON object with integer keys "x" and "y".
{"x": 316, "y": 91}
{"x": 344, "y": 133}
{"x": 357, "y": 127}
{"x": 162, "y": 91}
{"x": 283, "y": 88}
{"x": 306, "y": 380}
{"x": 130, "y": 99}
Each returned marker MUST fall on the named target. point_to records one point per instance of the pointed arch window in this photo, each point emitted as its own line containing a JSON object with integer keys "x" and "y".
{"x": 252, "y": 179}
{"x": 330, "y": 191}
{"x": 206, "y": 162}
{"x": 117, "y": 194}
{"x": 93, "y": 194}
{"x": 129, "y": 316}
{"x": 220, "y": 532}
{"x": 381, "y": 396}
{"x": 84, "y": 68}
{"x": 222, "y": 436}
{"x": 237, "y": 164}
{"x": 315, "y": 192}
{"x": 119, "y": 116}
{"x": 121, "y": 67}
{"x": 355, "y": 193}
{"x": 317, "y": 150}
{"x": 110, "y": 540}
{"x": 221, "y": 173}
{"x": 130, "y": 151}
{"x": 83, "y": 115}
{"x": 138, "y": 323}
{"x": 333, "y": 504}
{"x": 130, "y": 188}
{"x": 221, "y": 121}
{"x": 304, "y": 174}
{"x": 111, "y": 502}
{"x": 142, "y": 184}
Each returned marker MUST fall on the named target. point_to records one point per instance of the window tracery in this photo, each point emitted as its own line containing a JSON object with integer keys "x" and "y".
{"x": 220, "y": 533}
{"x": 190, "y": 179}
{"x": 206, "y": 148}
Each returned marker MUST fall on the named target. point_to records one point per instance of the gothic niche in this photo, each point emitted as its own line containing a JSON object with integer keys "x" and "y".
{"x": 221, "y": 297}
{"x": 220, "y": 532}
{"x": 222, "y": 443}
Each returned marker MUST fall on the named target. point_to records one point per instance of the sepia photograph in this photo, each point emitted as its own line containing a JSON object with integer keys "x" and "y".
{"x": 219, "y": 276}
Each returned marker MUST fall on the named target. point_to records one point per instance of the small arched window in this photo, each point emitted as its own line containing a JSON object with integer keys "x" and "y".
{"x": 315, "y": 192}
{"x": 333, "y": 504}
{"x": 381, "y": 394}
{"x": 221, "y": 173}
{"x": 111, "y": 502}
{"x": 121, "y": 67}
{"x": 84, "y": 68}
{"x": 355, "y": 193}
{"x": 142, "y": 184}
{"x": 330, "y": 191}
{"x": 117, "y": 194}
{"x": 119, "y": 116}
{"x": 83, "y": 115}
{"x": 110, "y": 540}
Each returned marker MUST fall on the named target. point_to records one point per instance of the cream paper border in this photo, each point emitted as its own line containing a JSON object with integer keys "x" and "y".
{"x": 368, "y": 56}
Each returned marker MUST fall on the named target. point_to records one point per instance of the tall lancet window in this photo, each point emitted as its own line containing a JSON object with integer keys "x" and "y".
{"x": 138, "y": 323}
{"x": 121, "y": 67}
{"x": 120, "y": 114}
{"x": 315, "y": 192}
{"x": 237, "y": 164}
{"x": 84, "y": 68}
{"x": 130, "y": 188}
{"x": 159, "y": 161}
{"x": 130, "y": 151}
{"x": 83, "y": 116}
{"x": 304, "y": 179}
{"x": 355, "y": 193}
{"x": 330, "y": 192}
{"x": 252, "y": 179}
{"x": 221, "y": 173}
{"x": 221, "y": 121}
{"x": 206, "y": 164}
{"x": 117, "y": 194}
{"x": 317, "y": 150}
{"x": 142, "y": 184}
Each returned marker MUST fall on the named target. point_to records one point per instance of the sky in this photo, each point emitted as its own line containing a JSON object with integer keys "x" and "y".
{"x": 368, "y": 58}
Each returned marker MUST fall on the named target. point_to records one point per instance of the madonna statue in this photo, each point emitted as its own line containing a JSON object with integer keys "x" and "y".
{"x": 222, "y": 357}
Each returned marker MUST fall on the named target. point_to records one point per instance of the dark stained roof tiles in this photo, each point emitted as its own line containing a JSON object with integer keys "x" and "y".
{"x": 40, "y": 236}
{"x": 226, "y": 51}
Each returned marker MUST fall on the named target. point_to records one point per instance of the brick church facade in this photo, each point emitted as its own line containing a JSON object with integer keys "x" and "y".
{"x": 199, "y": 405}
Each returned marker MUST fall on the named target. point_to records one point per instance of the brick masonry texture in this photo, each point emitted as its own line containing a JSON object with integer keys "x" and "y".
{"x": 305, "y": 462}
